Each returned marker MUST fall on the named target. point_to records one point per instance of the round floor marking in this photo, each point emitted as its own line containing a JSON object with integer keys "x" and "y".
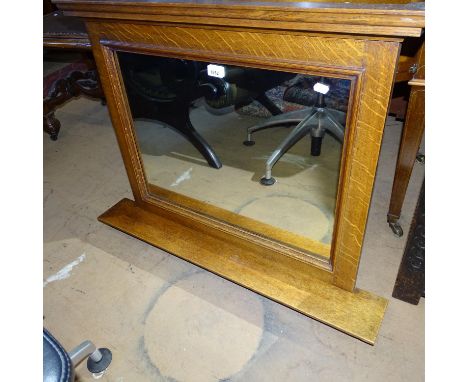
{"x": 203, "y": 328}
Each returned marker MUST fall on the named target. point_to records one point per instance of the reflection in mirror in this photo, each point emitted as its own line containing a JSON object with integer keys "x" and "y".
{"x": 256, "y": 148}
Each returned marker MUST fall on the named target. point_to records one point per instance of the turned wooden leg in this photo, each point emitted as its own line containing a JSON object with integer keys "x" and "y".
{"x": 410, "y": 140}
{"x": 62, "y": 91}
{"x": 51, "y": 126}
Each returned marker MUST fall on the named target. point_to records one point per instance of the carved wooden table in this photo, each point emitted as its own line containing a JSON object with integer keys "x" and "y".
{"x": 67, "y": 33}
{"x": 358, "y": 43}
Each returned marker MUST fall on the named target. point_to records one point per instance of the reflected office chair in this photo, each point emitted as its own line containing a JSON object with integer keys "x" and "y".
{"x": 315, "y": 120}
{"x": 59, "y": 366}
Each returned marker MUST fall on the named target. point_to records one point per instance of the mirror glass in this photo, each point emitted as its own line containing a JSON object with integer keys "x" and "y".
{"x": 259, "y": 149}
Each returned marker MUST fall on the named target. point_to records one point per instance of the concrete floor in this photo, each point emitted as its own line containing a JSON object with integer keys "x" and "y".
{"x": 167, "y": 320}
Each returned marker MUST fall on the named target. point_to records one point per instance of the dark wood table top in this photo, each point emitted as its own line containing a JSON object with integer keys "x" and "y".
{"x": 68, "y": 32}
{"x": 57, "y": 25}
{"x": 365, "y": 17}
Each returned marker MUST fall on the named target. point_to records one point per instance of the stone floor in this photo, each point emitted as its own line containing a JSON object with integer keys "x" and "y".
{"x": 167, "y": 320}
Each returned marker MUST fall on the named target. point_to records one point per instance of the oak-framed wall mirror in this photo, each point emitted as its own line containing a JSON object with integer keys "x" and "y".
{"x": 251, "y": 149}
{"x": 257, "y": 149}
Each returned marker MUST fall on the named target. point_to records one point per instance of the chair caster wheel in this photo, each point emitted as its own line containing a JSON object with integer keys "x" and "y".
{"x": 103, "y": 364}
{"x": 396, "y": 228}
{"x": 54, "y": 137}
{"x": 268, "y": 181}
{"x": 421, "y": 158}
{"x": 249, "y": 143}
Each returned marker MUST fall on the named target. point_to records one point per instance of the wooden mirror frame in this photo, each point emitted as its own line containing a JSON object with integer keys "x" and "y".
{"x": 319, "y": 289}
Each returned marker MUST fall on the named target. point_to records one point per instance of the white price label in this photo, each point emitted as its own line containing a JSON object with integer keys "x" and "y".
{"x": 321, "y": 88}
{"x": 216, "y": 71}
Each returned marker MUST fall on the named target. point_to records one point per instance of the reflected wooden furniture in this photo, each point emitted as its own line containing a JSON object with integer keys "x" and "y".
{"x": 357, "y": 42}
{"x": 410, "y": 282}
{"x": 413, "y": 129}
{"x": 407, "y": 67}
{"x": 64, "y": 32}
{"x": 48, "y": 7}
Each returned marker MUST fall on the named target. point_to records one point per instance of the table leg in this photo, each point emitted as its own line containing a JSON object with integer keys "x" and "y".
{"x": 73, "y": 85}
{"x": 410, "y": 140}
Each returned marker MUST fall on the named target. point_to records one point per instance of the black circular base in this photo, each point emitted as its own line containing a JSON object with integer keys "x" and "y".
{"x": 249, "y": 143}
{"x": 103, "y": 364}
{"x": 268, "y": 182}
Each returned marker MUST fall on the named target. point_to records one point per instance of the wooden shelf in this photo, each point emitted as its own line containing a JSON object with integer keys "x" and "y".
{"x": 284, "y": 280}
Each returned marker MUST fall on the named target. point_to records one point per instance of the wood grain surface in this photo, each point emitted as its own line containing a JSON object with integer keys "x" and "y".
{"x": 389, "y": 19}
{"x": 359, "y": 313}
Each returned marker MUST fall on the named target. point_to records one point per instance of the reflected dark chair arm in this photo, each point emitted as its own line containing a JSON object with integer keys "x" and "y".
{"x": 164, "y": 89}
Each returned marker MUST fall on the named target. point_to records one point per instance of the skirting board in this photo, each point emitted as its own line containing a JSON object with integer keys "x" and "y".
{"x": 358, "y": 314}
